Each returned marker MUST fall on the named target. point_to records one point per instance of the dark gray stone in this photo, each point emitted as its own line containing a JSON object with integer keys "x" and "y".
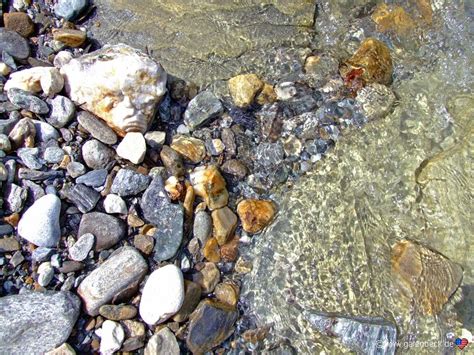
{"x": 36, "y": 322}
{"x": 69, "y": 9}
{"x": 204, "y": 107}
{"x": 84, "y": 197}
{"x": 97, "y": 128}
{"x": 62, "y": 111}
{"x": 202, "y": 227}
{"x": 94, "y": 178}
{"x": 108, "y": 230}
{"x": 128, "y": 183}
{"x": 97, "y": 155}
{"x": 172, "y": 161}
{"x": 14, "y": 44}
{"x": 35, "y": 175}
{"x": 27, "y": 101}
{"x": 5, "y": 229}
{"x": 211, "y": 323}
{"x": 167, "y": 217}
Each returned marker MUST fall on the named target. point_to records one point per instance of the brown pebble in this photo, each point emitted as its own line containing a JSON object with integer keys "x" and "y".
{"x": 19, "y": 22}
{"x": 211, "y": 251}
{"x": 134, "y": 221}
{"x": 144, "y": 243}
{"x": 230, "y": 250}
{"x": 224, "y": 222}
{"x": 71, "y": 266}
{"x": 117, "y": 312}
{"x": 267, "y": 95}
{"x": 95, "y": 344}
{"x": 12, "y": 219}
{"x": 71, "y": 38}
{"x": 228, "y": 293}
{"x": 8, "y": 244}
{"x": 90, "y": 324}
{"x": 255, "y": 214}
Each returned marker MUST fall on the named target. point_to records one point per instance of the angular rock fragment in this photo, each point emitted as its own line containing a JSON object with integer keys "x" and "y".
{"x": 209, "y": 184}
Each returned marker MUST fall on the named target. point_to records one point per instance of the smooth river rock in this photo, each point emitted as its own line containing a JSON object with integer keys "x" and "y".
{"x": 108, "y": 230}
{"x": 123, "y": 269}
{"x": 162, "y": 295}
{"x": 40, "y": 223}
{"x": 123, "y": 88}
{"x": 36, "y": 322}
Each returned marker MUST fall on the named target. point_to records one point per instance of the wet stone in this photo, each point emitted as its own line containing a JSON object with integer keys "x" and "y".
{"x": 172, "y": 161}
{"x": 255, "y": 214}
{"x": 228, "y": 293}
{"x": 204, "y": 107}
{"x": 85, "y": 198}
{"x": 208, "y": 277}
{"x": 108, "y": 230}
{"x": 6, "y": 125}
{"x": 117, "y": 312}
{"x": 224, "y": 222}
{"x": 209, "y": 184}
{"x": 167, "y": 217}
{"x": 210, "y": 324}
{"x": 202, "y": 227}
{"x": 128, "y": 183}
{"x": 244, "y": 88}
{"x": 96, "y": 155}
{"x": 375, "y": 101}
{"x": 235, "y": 168}
{"x": 53, "y": 314}
{"x": 211, "y": 251}
{"x": 97, "y": 128}
{"x": 94, "y": 178}
{"x": 125, "y": 268}
{"x": 192, "y": 149}
{"x": 192, "y": 296}
{"x": 62, "y": 111}
{"x": 269, "y": 155}
{"x": 14, "y": 44}
{"x": 27, "y": 101}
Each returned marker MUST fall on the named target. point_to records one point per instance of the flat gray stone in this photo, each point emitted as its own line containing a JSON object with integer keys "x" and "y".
{"x": 108, "y": 230}
{"x": 167, "y": 217}
{"x": 128, "y": 183}
{"x": 27, "y": 101}
{"x": 82, "y": 247}
{"x": 36, "y": 322}
{"x": 204, "y": 107}
{"x": 122, "y": 270}
{"x": 14, "y": 44}
{"x": 94, "y": 178}
{"x": 97, "y": 128}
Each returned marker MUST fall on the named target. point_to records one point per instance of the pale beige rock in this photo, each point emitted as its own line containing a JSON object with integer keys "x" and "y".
{"x": 190, "y": 148}
{"x": 224, "y": 222}
{"x": 132, "y": 147}
{"x": 244, "y": 88}
{"x": 37, "y": 79}
{"x": 4, "y": 69}
{"x": 123, "y": 88}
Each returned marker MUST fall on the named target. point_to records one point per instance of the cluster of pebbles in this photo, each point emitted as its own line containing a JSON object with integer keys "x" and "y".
{"x": 126, "y": 194}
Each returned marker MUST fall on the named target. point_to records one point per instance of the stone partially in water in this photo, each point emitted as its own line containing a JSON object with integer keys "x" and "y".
{"x": 363, "y": 335}
{"x": 53, "y": 315}
{"x": 201, "y": 109}
{"x": 371, "y": 63}
{"x": 255, "y": 214}
{"x": 424, "y": 276}
{"x": 375, "y": 100}
{"x": 193, "y": 149}
{"x": 393, "y": 18}
{"x": 244, "y": 88}
{"x": 124, "y": 86}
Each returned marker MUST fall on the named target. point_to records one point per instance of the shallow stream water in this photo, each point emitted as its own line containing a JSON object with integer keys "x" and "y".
{"x": 406, "y": 176}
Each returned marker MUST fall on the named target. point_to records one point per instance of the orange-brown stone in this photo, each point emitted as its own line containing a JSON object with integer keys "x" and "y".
{"x": 255, "y": 214}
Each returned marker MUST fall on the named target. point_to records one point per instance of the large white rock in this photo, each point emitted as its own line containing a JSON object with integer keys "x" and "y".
{"x": 40, "y": 223}
{"x": 37, "y": 79}
{"x": 112, "y": 336}
{"x": 132, "y": 147}
{"x": 123, "y": 86}
{"x": 163, "y": 295}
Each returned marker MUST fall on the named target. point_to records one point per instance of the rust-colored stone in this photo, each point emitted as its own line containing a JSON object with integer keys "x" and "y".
{"x": 211, "y": 251}
{"x": 424, "y": 276}
{"x": 255, "y": 214}
{"x": 230, "y": 250}
{"x": 19, "y": 22}
{"x": 210, "y": 186}
{"x": 371, "y": 63}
